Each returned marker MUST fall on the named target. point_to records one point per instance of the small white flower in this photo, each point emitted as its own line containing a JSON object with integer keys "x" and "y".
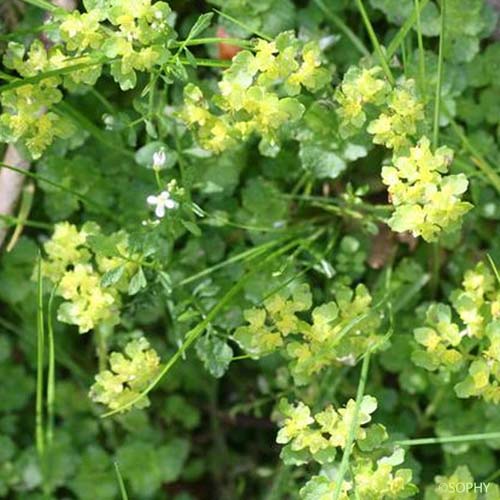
{"x": 159, "y": 159}
{"x": 109, "y": 121}
{"x": 163, "y": 202}
{"x": 327, "y": 41}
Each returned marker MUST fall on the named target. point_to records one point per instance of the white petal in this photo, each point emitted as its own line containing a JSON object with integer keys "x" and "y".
{"x": 159, "y": 159}
{"x": 152, "y": 200}
{"x": 160, "y": 211}
{"x": 170, "y": 204}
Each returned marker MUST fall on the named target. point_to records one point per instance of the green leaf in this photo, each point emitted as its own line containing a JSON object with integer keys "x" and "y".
{"x": 318, "y": 487}
{"x": 171, "y": 459}
{"x": 178, "y": 409}
{"x": 215, "y": 354}
{"x": 295, "y": 457}
{"x": 146, "y": 466}
{"x": 201, "y": 24}
{"x": 375, "y": 436}
{"x": 112, "y": 276}
{"x": 137, "y": 283}
{"x": 320, "y": 161}
{"x": 191, "y": 227}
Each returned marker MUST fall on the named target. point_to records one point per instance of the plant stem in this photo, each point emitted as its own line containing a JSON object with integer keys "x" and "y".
{"x": 437, "y": 104}
{"x": 421, "y": 52}
{"x": 464, "y": 438}
{"x": 243, "y": 25}
{"x": 40, "y": 351}
{"x": 376, "y": 45}
{"x": 344, "y": 464}
{"x": 121, "y": 484}
{"x": 238, "y": 42}
{"x": 44, "y": 5}
{"x": 494, "y": 267}
{"x": 403, "y": 31}
{"x": 477, "y": 158}
{"x": 51, "y": 370}
{"x": 352, "y": 37}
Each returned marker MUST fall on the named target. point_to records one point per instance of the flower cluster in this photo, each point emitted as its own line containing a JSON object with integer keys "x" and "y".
{"x": 439, "y": 339}
{"x": 427, "y": 200}
{"x": 400, "y": 119}
{"x": 136, "y": 41}
{"x": 77, "y": 270}
{"x": 337, "y": 332}
{"x": 24, "y": 107}
{"x": 130, "y": 36}
{"x": 129, "y": 375}
{"x": 392, "y": 113}
{"x": 448, "y": 347}
{"x": 327, "y": 430}
{"x": 257, "y": 94}
{"x": 316, "y": 438}
{"x": 361, "y": 92}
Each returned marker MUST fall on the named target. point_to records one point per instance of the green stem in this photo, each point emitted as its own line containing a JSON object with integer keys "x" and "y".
{"x": 344, "y": 464}
{"x": 158, "y": 178}
{"x": 14, "y": 221}
{"x": 337, "y": 21}
{"x": 105, "y": 103}
{"x": 30, "y": 80}
{"x": 249, "y": 254}
{"x": 243, "y": 25}
{"x": 40, "y": 328}
{"x": 6, "y": 77}
{"x": 45, "y": 5}
{"x": 494, "y": 267}
{"x": 464, "y": 438}
{"x": 89, "y": 62}
{"x": 203, "y": 61}
{"x": 121, "y": 484}
{"x": 376, "y": 45}
{"x": 403, "y": 31}
{"x": 492, "y": 477}
{"x": 421, "y": 52}
{"x": 437, "y": 104}
{"x": 238, "y": 42}
{"x": 477, "y": 157}
{"x": 404, "y": 56}
{"x": 30, "y": 31}
{"x": 51, "y": 380}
